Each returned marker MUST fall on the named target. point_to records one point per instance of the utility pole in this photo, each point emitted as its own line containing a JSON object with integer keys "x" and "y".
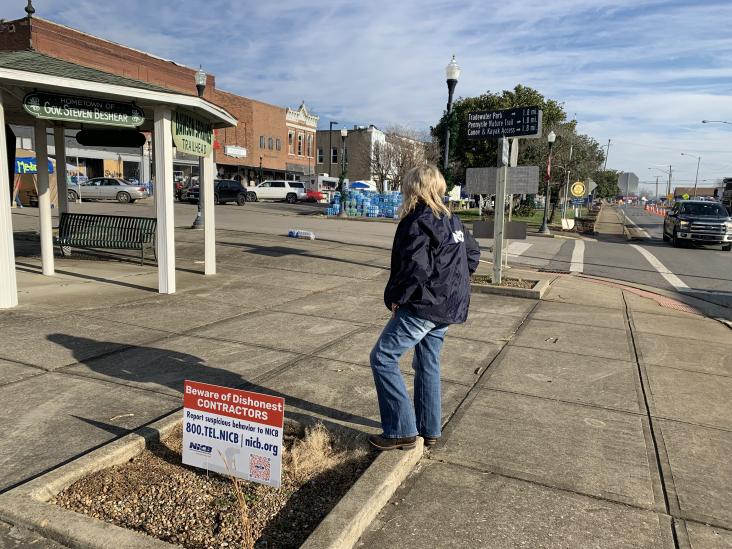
{"x": 657, "y": 188}
{"x": 669, "y": 179}
{"x": 606, "y": 155}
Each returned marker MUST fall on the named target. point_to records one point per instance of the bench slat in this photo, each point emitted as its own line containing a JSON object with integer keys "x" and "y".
{"x": 106, "y": 231}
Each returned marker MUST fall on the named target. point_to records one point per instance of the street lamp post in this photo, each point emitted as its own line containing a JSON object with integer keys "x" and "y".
{"x": 452, "y": 71}
{"x": 698, "y": 161}
{"x": 342, "y": 181}
{"x": 545, "y": 223}
{"x": 260, "y": 169}
{"x": 330, "y": 147}
{"x": 200, "y": 78}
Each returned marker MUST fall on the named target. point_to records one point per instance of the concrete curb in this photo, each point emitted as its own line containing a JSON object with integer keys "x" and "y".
{"x": 348, "y": 520}
{"x": 29, "y": 505}
{"x": 537, "y": 292}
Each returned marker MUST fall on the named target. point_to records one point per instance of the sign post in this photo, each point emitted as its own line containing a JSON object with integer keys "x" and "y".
{"x": 500, "y": 211}
{"x": 504, "y": 124}
{"x": 233, "y": 432}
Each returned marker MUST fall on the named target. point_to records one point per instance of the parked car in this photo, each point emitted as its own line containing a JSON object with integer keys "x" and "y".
{"x": 225, "y": 190}
{"x": 291, "y": 191}
{"x": 698, "y": 221}
{"x": 314, "y": 196}
{"x": 107, "y": 188}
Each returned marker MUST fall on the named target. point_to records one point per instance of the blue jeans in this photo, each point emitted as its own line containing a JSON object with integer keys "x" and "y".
{"x": 398, "y": 418}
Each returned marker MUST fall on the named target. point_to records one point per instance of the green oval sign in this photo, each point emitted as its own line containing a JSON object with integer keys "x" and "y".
{"x": 191, "y": 134}
{"x": 85, "y": 110}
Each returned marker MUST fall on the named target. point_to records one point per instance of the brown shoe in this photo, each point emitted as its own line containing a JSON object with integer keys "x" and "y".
{"x": 382, "y": 443}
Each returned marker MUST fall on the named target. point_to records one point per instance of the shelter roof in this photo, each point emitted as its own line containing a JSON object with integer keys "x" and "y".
{"x": 31, "y": 61}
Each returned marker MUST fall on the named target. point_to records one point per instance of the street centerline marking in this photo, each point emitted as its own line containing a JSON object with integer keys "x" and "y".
{"x": 576, "y": 264}
{"x": 670, "y": 277}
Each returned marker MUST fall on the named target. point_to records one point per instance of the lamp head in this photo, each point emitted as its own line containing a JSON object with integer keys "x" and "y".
{"x": 200, "y": 78}
{"x": 344, "y": 132}
{"x": 552, "y": 137}
{"x": 452, "y": 71}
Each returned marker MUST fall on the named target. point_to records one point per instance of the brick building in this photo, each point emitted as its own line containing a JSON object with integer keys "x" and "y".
{"x": 278, "y": 140}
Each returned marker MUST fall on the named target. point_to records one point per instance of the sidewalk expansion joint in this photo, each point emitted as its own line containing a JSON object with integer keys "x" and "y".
{"x": 662, "y": 465}
{"x": 477, "y": 386}
{"x": 503, "y": 474}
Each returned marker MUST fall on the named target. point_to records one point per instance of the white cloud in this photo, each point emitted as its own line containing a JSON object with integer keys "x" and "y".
{"x": 643, "y": 73}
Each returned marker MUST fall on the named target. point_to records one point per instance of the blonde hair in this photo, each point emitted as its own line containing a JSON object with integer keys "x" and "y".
{"x": 424, "y": 184}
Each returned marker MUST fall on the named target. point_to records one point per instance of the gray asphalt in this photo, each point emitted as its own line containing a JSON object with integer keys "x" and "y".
{"x": 707, "y": 272}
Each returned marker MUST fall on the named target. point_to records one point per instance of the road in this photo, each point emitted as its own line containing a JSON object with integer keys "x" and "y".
{"x": 702, "y": 272}
{"x": 705, "y": 273}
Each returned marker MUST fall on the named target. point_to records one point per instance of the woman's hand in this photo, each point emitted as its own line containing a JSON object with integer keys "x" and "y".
{"x": 394, "y": 308}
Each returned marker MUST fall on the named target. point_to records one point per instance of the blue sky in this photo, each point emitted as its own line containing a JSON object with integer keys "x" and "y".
{"x": 641, "y": 73}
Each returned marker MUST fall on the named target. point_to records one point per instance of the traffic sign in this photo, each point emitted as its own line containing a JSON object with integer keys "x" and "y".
{"x": 578, "y": 201}
{"x": 578, "y": 189}
{"x": 685, "y": 196}
{"x": 516, "y": 122}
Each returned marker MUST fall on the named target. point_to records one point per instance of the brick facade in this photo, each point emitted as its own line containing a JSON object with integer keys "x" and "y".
{"x": 255, "y": 118}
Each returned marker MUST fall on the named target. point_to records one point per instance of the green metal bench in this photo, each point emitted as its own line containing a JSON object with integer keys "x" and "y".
{"x": 113, "y": 232}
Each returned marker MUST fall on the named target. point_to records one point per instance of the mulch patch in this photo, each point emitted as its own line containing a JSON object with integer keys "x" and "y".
{"x": 155, "y": 494}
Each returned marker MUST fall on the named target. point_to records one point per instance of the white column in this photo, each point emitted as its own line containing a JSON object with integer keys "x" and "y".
{"x": 164, "y": 200}
{"x": 44, "y": 198}
{"x": 59, "y": 144}
{"x": 8, "y": 283}
{"x": 206, "y": 180}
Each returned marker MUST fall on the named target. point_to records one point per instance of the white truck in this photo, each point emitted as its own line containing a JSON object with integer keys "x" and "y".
{"x": 277, "y": 189}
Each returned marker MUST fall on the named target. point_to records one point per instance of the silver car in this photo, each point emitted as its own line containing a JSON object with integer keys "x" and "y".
{"x": 107, "y": 188}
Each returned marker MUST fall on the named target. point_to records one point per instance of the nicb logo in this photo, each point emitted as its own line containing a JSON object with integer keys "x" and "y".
{"x": 202, "y": 448}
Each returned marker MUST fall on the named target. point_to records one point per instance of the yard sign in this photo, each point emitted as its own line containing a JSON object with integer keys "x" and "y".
{"x": 241, "y": 429}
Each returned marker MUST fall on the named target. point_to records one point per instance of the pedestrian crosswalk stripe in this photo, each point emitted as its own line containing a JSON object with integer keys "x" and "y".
{"x": 577, "y": 263}
{"x": 670, "y": 277}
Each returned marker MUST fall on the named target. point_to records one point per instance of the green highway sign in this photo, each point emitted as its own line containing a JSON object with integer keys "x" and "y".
{"x": 192, "y": 135}
{"x": 87, "y": 110}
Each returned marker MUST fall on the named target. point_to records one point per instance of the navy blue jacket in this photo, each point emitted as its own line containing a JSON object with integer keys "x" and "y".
{"x": 431, "y": 262}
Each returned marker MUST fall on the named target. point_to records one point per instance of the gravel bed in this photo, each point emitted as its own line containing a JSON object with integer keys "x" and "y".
{"x": 485, "y": 280}
{"x": 155, "y": 494}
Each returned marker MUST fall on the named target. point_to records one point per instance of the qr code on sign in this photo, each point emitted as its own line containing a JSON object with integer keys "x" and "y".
{"x": 259, "y": 467}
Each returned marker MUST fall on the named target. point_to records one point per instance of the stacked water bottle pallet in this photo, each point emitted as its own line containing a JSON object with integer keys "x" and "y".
{"x": 366, "y": 204}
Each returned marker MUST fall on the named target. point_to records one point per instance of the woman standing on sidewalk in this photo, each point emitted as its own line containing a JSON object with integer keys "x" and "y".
{"x": 432, "y": 259}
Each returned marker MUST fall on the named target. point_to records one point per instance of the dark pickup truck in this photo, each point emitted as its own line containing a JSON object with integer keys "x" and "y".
{"x": 700, "y": 222}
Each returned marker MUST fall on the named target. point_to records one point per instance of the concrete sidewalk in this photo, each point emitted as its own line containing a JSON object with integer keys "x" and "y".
{"x": 595, "y": 418}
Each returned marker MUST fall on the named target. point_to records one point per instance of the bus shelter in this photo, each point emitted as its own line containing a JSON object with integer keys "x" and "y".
{"x": 41, "y": 91}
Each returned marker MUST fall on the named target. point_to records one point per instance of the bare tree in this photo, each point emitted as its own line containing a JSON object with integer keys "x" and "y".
{"x": 381, "y": 162}
{"x": 401, "y": 149}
